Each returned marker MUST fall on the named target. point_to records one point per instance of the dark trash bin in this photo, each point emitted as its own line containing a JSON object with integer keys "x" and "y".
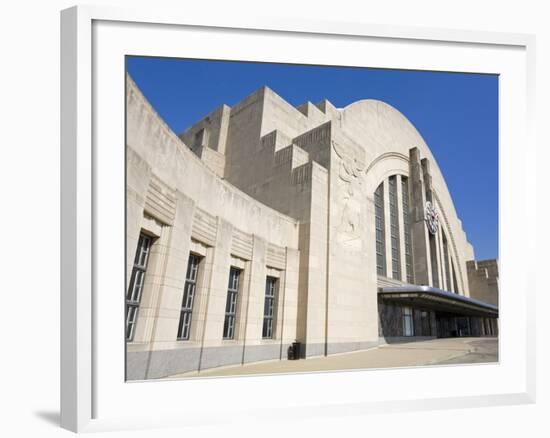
{"x": 297, "y": 347}
{"x": 290, "y": 352}
{"x": 295, "y": 351}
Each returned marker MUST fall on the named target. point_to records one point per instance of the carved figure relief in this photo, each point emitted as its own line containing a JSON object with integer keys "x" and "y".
{"x": 350, "y": 173}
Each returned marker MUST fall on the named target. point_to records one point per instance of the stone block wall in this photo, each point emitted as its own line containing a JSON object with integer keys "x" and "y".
{"x": 483, "y": 280}
{"x": 186, "y": 207}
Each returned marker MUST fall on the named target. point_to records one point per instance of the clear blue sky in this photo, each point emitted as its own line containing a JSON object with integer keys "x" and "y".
{"x": 456, "y": 114}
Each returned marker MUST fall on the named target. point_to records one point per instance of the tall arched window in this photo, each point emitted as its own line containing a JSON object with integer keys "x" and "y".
{"x": 379, "y": 226}
{"x": 433, "y": 258}
{"x": 446, "y": 261}
{"x": 394, "y": 229}
{"x": 407, "y": 229}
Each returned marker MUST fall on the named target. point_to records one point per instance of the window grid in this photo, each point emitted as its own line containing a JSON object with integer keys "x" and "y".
{"x": 408, "y": 328}
{"x": 447, "y": 267}
{"x": 186, "y": 313}
{"x": 135, "y": 288}
{"x": 407, "y": 229}
{"x": 269, "y": 307}
{"x": 379, "y": 226}
{"x": 394, "y": 229}
{"x": 425, "y": 322}
{"x": 433, "y": 256}
{"x": 231, "y": 304}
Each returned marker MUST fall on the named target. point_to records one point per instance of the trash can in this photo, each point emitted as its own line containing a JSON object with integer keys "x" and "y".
{"x": 290, "y": 352}
{"x": 297, "y": 347}
{"x": 294, "y": 351}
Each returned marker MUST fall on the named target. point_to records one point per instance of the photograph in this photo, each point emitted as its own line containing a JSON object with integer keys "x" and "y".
{"x": 295, "y": 218}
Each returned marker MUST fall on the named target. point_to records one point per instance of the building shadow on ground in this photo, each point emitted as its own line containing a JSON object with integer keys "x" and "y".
{"x": 51, "y": 417}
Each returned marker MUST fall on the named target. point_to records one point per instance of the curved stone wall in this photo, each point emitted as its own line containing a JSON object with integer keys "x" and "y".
{"x": 387, "y": 135}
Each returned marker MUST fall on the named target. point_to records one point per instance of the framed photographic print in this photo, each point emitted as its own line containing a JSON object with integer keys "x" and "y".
{"x": 334, "y": 217}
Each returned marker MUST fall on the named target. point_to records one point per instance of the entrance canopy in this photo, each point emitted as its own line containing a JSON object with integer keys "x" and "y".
{"x": 437, "y": 299}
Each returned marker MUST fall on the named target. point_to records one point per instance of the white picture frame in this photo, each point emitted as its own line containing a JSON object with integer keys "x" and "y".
{"x": 85, "y": 175}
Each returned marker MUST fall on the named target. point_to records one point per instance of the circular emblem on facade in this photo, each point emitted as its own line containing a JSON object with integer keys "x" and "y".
{"x": 432, "y": 218}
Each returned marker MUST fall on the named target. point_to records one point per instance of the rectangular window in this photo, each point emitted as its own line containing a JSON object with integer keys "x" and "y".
{"x": 379, "y": 226}
{"x": 433, "y": 256}
{"x": 269, "y": 307}
{"x": 446, "y": 262}
{"x": 407, "y": 229}
{"x": 231, "y": 304}
{"x": 425, "y": 321}
{"x": 135, "y": 288}
{"x": 408, "y": 329}
{"x": 189, "y": 289}
{"x": 394, "y": 229}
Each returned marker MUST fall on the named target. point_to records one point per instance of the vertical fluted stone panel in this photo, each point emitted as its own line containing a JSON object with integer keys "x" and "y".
{"x": 421, "y": 261}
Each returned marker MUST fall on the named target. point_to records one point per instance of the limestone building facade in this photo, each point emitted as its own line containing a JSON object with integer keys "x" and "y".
{"x": 264, "y": 224}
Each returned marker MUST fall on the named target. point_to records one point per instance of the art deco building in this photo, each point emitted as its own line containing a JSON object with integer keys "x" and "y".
{"x": 265, "y": 224}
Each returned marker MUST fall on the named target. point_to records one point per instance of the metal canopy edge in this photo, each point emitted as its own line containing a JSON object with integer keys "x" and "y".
{"x": 436, "y": 293}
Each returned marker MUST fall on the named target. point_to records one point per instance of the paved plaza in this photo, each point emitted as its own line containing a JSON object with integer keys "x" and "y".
{"x": 432, "y": 352}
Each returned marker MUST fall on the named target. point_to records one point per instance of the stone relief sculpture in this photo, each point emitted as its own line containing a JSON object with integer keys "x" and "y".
{"x": 350, "y": 173}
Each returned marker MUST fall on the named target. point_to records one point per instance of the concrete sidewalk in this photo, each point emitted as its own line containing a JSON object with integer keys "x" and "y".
{"x": 432, "y": 352}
